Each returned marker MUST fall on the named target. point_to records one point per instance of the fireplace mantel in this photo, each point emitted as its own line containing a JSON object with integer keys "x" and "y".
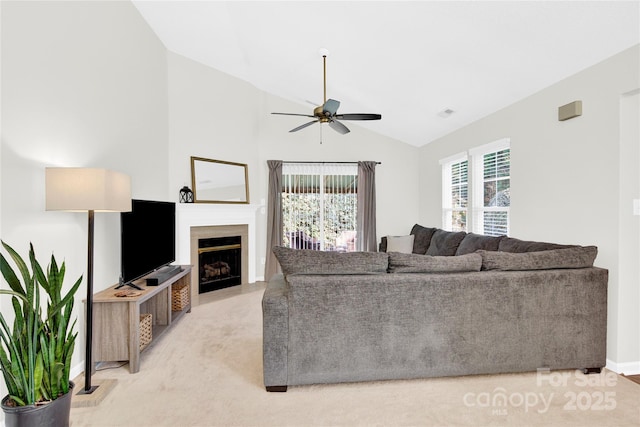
{"x": 204, "y": 214}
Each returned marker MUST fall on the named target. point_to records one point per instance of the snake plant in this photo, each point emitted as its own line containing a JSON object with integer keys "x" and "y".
{"x": 35, "y": 355}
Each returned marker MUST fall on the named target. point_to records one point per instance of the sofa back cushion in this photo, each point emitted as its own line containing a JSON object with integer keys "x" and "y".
{"x": 574, "y": 257}
{"x": 472, "y": 242}
{"x": 509, "y": 244}
{"x": 415, "y": 263}
{"x": 445, "y": 243}
{"x": 307, "y": 261}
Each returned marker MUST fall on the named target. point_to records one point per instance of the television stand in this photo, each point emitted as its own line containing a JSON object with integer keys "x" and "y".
{"x": 117, "y": 325}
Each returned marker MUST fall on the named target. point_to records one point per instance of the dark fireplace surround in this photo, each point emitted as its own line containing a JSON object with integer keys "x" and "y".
{"x": 227, "y": 236}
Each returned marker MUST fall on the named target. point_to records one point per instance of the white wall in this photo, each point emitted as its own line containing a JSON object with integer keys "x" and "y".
{"x": 569, "y": 179}
{"x": 217, "y": 116}
{"x": 83, "y": 84}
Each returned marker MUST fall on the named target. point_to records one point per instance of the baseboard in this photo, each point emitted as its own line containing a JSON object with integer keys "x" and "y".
{"x": 627, "y": 368}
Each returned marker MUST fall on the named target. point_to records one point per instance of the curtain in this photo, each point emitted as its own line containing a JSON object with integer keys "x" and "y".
{"x": 367, "y": 239}
{"x": 274, "y": 217}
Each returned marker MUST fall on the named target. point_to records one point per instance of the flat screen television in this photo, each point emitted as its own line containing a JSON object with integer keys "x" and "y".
{"x": 148, "y": 239}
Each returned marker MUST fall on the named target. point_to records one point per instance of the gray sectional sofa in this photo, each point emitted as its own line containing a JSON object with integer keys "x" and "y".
{"x": 458, "y": 304}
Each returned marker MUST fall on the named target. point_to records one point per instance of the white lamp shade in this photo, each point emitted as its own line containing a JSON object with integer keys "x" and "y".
{"x": 87, "y": 189}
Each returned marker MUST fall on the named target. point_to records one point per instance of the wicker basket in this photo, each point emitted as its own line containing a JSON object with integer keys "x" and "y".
{"x": 146, "y": 323}
{"x": 179, "y": 296}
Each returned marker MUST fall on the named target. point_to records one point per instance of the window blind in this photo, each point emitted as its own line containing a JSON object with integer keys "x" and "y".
{"x": 459, "y": 185}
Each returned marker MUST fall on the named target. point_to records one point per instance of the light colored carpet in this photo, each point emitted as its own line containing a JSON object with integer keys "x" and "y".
{"x": 207, "y": 371}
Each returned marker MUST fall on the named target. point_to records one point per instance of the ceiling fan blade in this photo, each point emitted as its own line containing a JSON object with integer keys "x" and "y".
{"x": 293, "y": 114}
{"x": 303, "y": 126}
{"x": 331, "y": 106}
{"x": 359, "y": 116}
{"x": 339, "y": 127}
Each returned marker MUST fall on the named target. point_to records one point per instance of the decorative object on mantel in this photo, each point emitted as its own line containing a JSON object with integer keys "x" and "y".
{"x": 218, "y": 181}
{"x": 186, "y": 195}
{"x": 91, "y": 190}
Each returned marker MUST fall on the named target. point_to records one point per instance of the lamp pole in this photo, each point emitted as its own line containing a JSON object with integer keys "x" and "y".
{"x": 88, "y": 365}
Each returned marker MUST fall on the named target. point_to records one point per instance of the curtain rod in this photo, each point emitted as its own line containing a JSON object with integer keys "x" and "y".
{"x": 352, "y": 163}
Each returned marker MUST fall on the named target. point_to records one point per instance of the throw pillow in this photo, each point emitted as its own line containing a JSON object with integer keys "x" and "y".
{"x": 472, "y": 242}
{"x": 307, "y": 261}
{"x": 415, "y": 263}
{"x": 575, "y": 257}
{"x": 445, "y": 243}
{"x": 402, "y": 244}
{"x": 423, "y": 238}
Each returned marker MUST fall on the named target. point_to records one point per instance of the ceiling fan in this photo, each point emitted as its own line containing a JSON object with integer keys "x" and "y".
{"x": 327, "y": 112}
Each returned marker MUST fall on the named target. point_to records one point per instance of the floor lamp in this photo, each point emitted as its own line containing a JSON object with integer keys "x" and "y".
{"x": 91, "y": 190}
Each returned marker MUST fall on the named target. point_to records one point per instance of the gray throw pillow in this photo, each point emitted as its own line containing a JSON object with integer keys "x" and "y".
{"x": 472, "y": 242}
{"x": 575, "y": 257}
{"x": 306, "y": 261}
{"x": 445, "y": 243}
{"x": 423, "y": 238}
{"x": 415, "y": 263}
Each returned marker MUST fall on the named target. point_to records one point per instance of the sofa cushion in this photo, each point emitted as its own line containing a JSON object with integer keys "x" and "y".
{"x": 575, "y": 257}
{"x": 445, "y": 243}
{"x": 307, "y": 261}
{"x": 415, "y": 263}
{"x": 509, "y": 244}
{"x": 402, "y": 244}
{"x": 423, "y": 238}
{"x": 472, "y": 242}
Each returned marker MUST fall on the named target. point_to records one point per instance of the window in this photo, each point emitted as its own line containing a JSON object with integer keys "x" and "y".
{"x": 319, "y": 206}
{"x": 477, "y": 190}
{"x": 492, "y": 207}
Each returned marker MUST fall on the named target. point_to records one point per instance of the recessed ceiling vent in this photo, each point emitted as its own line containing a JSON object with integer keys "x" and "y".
{"x": 446, "y": 113}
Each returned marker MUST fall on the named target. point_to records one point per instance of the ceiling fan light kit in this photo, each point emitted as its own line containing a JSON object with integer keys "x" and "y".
{"x": 328, "y": 111}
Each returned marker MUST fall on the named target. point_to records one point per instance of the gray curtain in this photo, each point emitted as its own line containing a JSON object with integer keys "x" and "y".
{"x": 274, "y": 217}
{"x": 366, "y": 221}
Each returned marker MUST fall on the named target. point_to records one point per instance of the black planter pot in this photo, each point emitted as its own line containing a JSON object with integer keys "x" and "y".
{"x": 53, "y": 414}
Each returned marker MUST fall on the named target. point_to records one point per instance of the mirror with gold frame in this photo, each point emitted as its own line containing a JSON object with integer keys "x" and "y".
{"x": 217, "y": 181}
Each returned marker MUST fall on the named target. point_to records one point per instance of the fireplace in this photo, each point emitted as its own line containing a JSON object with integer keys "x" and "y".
{"x": 195, "y": 221}
{"x": 219, "y": 263}
{"x": 214, "y": 238}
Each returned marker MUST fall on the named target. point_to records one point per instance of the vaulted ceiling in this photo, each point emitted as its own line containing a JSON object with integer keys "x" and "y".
{"x": 407, "y": 60}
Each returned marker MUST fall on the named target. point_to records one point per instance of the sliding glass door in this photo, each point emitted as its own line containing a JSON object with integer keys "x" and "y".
{"x": 319, "y": 206}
